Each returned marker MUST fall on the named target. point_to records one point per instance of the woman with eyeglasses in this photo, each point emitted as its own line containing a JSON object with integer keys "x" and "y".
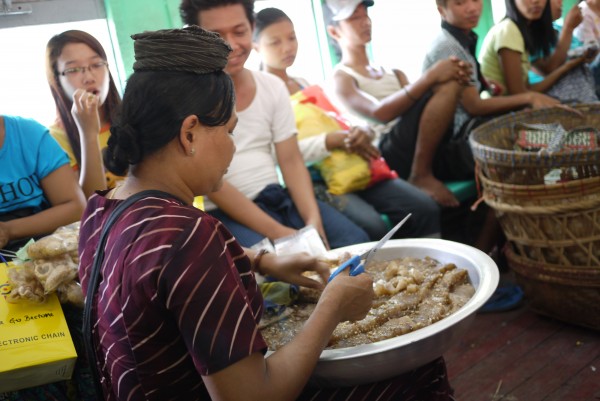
{"x": 85, "y": 96}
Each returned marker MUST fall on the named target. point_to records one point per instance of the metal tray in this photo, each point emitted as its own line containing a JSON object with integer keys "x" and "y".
{"x": 388, "y": 358}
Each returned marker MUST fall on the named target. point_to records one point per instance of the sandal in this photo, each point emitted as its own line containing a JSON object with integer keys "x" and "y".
{"x": 504, "y": 299}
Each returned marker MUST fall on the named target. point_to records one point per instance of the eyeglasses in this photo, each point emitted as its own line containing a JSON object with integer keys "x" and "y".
{"x": 78, "y": 71}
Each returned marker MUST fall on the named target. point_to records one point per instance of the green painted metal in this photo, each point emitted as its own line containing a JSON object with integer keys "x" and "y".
{"x": 486, "y": 21}
{"x": 326, "y": 52}
{"x": 462, "y": 190}
{"x": 126, "y": 18}
{"x": 567, "y": 4}
{"x": 133, "y": 16}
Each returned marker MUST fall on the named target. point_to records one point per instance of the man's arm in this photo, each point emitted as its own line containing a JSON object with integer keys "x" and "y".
{"x": 368, "y": 106}
{"x": 476, "y": 106}
{"x": 298, "y": 182}
{"x": 241, "y": 209}
{"x": 398, "y": 103}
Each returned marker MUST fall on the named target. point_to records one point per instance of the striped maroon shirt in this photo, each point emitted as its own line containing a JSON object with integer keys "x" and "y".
{"x": 177, "y": 299}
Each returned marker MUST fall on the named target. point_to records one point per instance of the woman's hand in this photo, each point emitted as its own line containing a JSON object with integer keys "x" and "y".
{"x": 351, "y": 296}
{"x": 541, "y": 101}
{"x": 289, "y": 268}
{"x": 85, "y": 113}
{"x": 359, "y": 141}
{"x": 590, "y": 54}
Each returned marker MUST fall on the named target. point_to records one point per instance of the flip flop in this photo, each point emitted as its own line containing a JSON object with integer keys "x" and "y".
{"x": 504, "y": 299}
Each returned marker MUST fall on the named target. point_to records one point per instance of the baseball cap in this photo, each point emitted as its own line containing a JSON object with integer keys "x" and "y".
{"x": 343, "y": 9}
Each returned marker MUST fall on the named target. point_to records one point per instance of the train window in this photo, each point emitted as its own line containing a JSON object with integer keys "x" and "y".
{"x": 499, "y": 10}
{"x": 402, "y": 33}
{"x": 25, "y": 90}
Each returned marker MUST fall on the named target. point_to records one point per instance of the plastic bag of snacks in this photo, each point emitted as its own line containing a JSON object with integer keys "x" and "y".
{"x": 51, "y": 268}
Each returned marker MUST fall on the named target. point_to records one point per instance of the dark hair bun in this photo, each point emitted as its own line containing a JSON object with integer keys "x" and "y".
{"x": 123, "y": 149}
{"x": 191, "y": 49}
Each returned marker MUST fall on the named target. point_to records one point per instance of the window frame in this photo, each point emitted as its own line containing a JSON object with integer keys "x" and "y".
{"x": 54, "y": 11}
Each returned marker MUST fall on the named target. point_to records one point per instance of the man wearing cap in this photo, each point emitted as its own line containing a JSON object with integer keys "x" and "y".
{"x": 343, "y": 9}
{"x": 413, "y": 120}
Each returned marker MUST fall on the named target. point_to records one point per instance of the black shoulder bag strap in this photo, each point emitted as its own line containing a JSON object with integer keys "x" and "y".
{"x": 94, "y": 280}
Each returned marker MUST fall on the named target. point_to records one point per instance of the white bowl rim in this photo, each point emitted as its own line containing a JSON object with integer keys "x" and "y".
{"x": 487, "y": 285}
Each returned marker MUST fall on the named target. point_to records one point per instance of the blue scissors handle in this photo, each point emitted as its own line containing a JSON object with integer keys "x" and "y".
{"x": 354, "y": 264}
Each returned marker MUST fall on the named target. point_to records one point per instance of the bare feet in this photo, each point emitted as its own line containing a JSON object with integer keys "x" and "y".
{"x": 436, "y": 189}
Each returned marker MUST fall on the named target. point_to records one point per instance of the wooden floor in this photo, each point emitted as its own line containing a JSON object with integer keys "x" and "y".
{"x": 522, "y": 356}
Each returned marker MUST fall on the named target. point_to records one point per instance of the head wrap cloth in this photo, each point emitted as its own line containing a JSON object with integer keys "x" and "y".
{"x": 190, "y": 49}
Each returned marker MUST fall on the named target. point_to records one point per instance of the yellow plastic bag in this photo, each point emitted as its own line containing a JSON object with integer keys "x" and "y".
{"x": 342, "y": 172}
{"x": 199, "y": 202}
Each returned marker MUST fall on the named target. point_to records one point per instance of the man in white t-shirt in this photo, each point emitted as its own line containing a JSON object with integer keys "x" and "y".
{"x": 252, "y": 204}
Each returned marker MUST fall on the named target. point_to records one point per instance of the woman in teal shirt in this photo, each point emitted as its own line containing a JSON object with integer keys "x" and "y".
{"x": 38, "y": 190}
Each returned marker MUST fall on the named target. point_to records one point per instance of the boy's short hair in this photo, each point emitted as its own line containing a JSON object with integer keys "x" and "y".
{"x": 189, "y": 9}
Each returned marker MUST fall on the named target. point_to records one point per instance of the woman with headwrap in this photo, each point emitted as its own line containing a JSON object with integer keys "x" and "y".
{"x": 176, "y": 311}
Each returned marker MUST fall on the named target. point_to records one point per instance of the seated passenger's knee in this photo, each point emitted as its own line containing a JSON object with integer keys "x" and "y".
{"x": 450, "y": 89}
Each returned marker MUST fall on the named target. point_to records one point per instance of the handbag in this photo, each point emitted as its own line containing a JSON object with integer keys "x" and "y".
{"x": 95, "y": 276}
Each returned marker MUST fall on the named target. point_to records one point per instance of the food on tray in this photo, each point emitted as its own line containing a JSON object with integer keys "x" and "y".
{"x": 410, "y": 293}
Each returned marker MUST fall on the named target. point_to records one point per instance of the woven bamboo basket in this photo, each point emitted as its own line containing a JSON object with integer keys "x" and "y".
{"x": 553, "y": 229}
{"x": 554, "y": 223}
{"x": 567, "y": 293}
{"x": 493, "y": 147}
